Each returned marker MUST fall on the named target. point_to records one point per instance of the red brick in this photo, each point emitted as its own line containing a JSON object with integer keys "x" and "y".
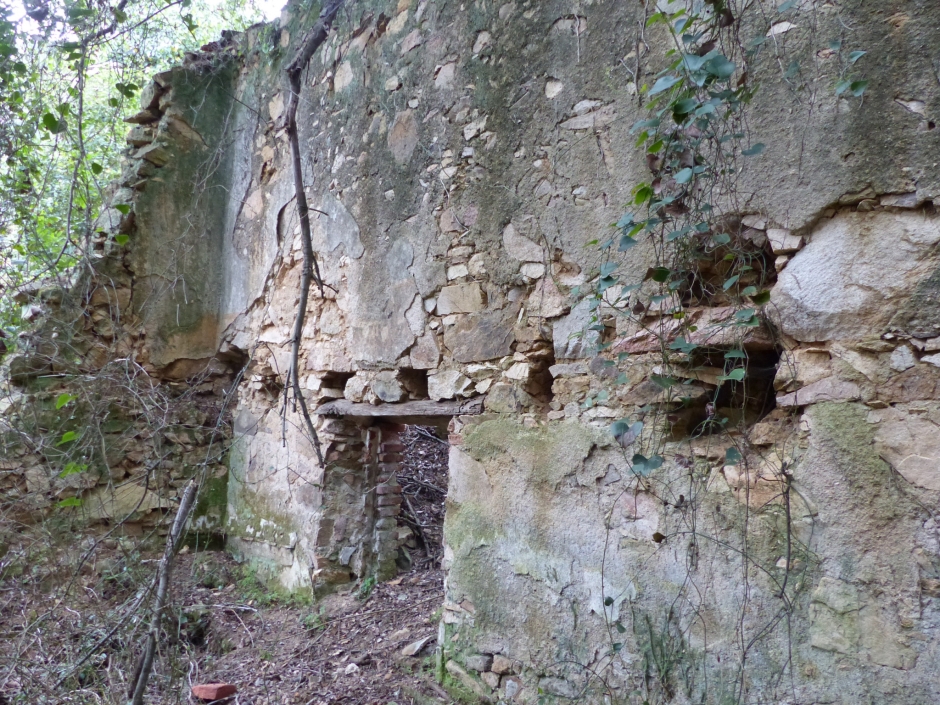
{"x": 389, "y": 500}
{"x": 214, "y": 691}
{"x": 394, "y": 510}
{"x": 388, "y": 489}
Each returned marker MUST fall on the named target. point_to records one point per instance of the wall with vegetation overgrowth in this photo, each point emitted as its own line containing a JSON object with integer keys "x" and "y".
{"x": 687, "y": 255}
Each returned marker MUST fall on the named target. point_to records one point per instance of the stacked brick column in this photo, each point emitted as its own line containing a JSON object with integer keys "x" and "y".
{"x": 388, "y": 500}
{"x": 338, "y": 557}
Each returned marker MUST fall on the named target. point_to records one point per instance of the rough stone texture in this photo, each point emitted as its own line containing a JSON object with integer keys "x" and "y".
{"x": 460, "y": 157}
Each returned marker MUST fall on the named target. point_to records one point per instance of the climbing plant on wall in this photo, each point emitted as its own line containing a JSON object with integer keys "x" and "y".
{"x": 702, "y": 309}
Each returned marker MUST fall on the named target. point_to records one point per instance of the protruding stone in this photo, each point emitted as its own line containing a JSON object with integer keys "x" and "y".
{"x": 519, "y": 247}
{"x": 448, "y": 384}
{"x": 460, "y": 298}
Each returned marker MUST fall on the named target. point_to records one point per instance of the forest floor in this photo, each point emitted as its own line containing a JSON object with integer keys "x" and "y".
{"x": 64, "y": 640}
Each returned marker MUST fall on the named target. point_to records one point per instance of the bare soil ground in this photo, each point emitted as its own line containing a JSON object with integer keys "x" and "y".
{"x": 70, "y": 633}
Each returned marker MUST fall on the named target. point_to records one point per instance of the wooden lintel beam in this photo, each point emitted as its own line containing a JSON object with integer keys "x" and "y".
{"x": 342, "y": 407}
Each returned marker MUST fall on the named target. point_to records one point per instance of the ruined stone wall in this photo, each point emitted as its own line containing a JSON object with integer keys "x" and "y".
{"x": 462, "y": 158}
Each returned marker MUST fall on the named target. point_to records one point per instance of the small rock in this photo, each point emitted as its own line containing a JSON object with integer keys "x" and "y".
{"x": 783, "y": 241}
{"x": 478, "y": 662}
{"x": 351, "y": 669}
{"x": 491, "y": 679}
{"x": 460, "y": 298}
{"x": 519, "y": 247}
{"x": 448, "y": 385}
{"x": 415, "y": 647}
{"x": 532, "y": 270}
{"x": 502, "y": 665}
{"x": 553, "y": 87}
{"x": 902, "y": 359}
{"x": 393, "y": 84}
{"x": 214, "y": 691}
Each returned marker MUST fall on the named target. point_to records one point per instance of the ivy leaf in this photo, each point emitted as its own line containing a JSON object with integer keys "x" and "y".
{"x": 858, "y": 87}
{"x": 122, "y": 239}
{"x": 663, "y": 382}
{"x": 63, "y": 399}
{"x": 70, "y": 502}
{"x": 604, "y": 283}
{"x": 626, "y": 242}
{"x": 659, "y": 274}
{"x": 753, "y": 150}
{"x": 643, "y": 194}
{"x": 625, "y": 432}
{"x": 842, "y": 86}
{"x": 683, "y": 345}
{"x": 685, "y": 106}
{"x": 735, "y": 375}
{"x": 792, "y": 70}
{"x": 625, "y": 220}
{"x": 787, "y": 5}
{"x": 122, "y": 208}
{"x": 620, "y": 628}
{"x": 96, "y": 168}
{"x": 735, "y": 355}
{"x": 664, "y": 83}
{"x": 720, "y": 67}
{"x": 608, "y": 268}
{"x": 761, "y": 298}
{"x": 684, "y": 176}
{"x": 721, "y": 238}
{"x": 856, "y": 55}
{"x": 608, "y": 601}
{"x": 730, "y": 282}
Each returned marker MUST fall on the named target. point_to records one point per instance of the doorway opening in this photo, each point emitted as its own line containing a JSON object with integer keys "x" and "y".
{"x": 423, "y": 479}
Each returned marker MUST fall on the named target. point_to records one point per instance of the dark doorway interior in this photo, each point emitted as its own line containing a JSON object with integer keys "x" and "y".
{"x": 423, "y": 479}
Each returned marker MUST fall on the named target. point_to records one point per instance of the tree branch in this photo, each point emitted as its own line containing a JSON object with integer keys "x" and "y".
{"x": 311, "y": 268}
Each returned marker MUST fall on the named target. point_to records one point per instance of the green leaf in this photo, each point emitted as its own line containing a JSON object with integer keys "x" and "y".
{"x": 625, "y": 220}
{"x": 685, "y": 106}
{"x": 858, "y": 87}
{"x": 664, "y": 83}
{"x": 122, "y": 239}
{"x": 73, "y": 469}
{"x": 660, "y": 274}
{"x": 53, "y": 124}
{"x": 608, "y": 601}
{"x": 749, "y": 291}
{"x": 761, "y": 298}
{"x": 620, "y": 628}
{"x": 626, "y": 242}
{"x": 735, "y": 355}
{"x": 96, "y": 168}
{"x": 753, "y": 150}
{"x": 856, "y": 55}
{"x": 683, "y": 345}
{"x": 744, "y": 314}
{"x": 836, "y": 45}
{"x": 720, "y": 67}
{"x": 730, "y": 282}
{"x": 787, "y": 5}
{"x": 663, "y": 382}
{"x": 735, "y": 375}
{"x": 792, "y": 70}
{"x": 123, "y": 208}
{"x": 684, "y": 176}
{"x": 643, "y": 194}
{"x": 67, "y": 437}
{"x": 618, "y": 645}
{"x": 63, "y": 399}
{"x": 842, "y": 86}
{"x": 70, "y": 502}
{"x": 732, "y": 456}
{"x": 721, "y": 238}
{"x": 622, "y": 378}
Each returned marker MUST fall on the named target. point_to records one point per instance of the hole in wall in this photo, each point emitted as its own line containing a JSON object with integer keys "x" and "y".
{"x": 415, "y": 382}
{"x": 931, "y": 124}
{"x": 729, "y": 404}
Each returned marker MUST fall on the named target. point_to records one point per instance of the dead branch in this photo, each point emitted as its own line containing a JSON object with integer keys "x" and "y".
{"x": 163, "y": 583}
{"x": 311, "y": 268}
